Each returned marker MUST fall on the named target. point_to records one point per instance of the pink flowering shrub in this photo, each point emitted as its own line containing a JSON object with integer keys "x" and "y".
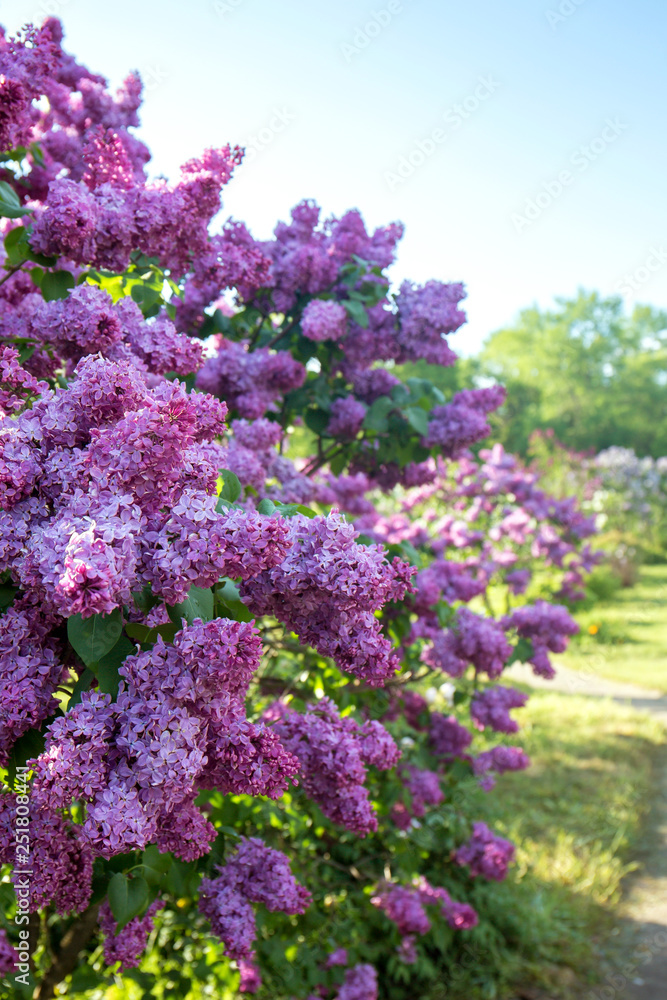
{"x": 212, "y": 653}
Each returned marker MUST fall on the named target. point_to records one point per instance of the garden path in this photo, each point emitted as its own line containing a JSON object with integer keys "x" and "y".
{"x": 640, "y": 961}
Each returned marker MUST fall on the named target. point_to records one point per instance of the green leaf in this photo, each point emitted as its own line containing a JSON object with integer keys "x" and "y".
{"x": 356, "y": 311}
{"x": 106, "y": 669}
{"x": 522, "y": 652}
{"x": 316, "y": 419}
{"x": 7, "y": 595}
{"x": 376, "y": 418}
{"x": 338, "y": 463}
{"x": 228, "y": 596}
{"x": 83, "y": 683}
{"x": 231, "y": 486}
{"x": 147, "y": 636}
{"x": 266, "y": 506}
{"x": 10, "y": 204}
{"x": 27, "y": 746}
{"x": 127, "y": 898}
{"x": 56, "y": 285}
{"x": 290, "y": 509}
{"x": 94, "y": 636}
{"x": 16, "y": 246}
{"x": 417, "y": 418}
{"x": 198, "y": 604}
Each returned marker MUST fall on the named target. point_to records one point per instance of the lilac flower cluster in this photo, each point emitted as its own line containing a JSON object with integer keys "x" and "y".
{"x": 424, "y": 789}
{"x": 546, "y": 626}
{"x": 486, "y": 854}
{"x": 17, "y": 385}
{"x": 327, "y": 590}
{"x": 254, "y": 874}
{"x": 426, "y": 314}
{"x": 178, "y": 724}
{"x": 360, "y": 983}
{"x": 249, "y": 381}
{"x": 472, "y": 639}
{"x": 491, "y": 708}
{"x": 127, "y": 945}
{"x": 460, "y": 423}
{"x": 404, "y": 906}
{"x": 333, "y": 753}
{"x": 61, "y": 861}
{"x": 498, "y": 760}
{"x": 323, "y": 319}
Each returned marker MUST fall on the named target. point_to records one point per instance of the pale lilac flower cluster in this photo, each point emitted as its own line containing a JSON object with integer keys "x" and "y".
{"x": 178, "y": 723}
{"x": 231, "y": 259}
{"x": 333, "y": 753}
{"x": 448, "y": 737}
{"x": 327, "y": 589}
{"x": 424, "y": 789}
{"x": 473, "y": 639}
{"x": 30, "y": 671}
{"x": 323, "y": 319}
{"x": 486, "y": 854}
{"x": 347, "y": 416}
{"x": 546, "y": 626}
{"x": 460, "y": 423}
{"x": 9, "y": 957}
{"x": 254, "y": 874}
{"x": 250, "y": 382}
{"x": 61, "y": 863}
{"x": 127, "y": 945}
{"x": 251, "y": 979}
{"x": 426, "y": 314}
{"x": 404, "y": 906}
{"x": 17, "y": 385}
{"x": 498, "y": 760}
{"x": 492, "y": 707}
{"x": 360, "y": 983}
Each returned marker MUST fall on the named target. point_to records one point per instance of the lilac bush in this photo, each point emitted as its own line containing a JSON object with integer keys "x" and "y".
{"x": 215, "y": 641}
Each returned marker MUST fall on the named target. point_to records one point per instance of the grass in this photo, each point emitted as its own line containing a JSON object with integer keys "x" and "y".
{"x": 625, "y": 637}
{"x": 576, "y": 817}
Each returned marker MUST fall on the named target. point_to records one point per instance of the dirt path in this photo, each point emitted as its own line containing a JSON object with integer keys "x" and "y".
{"x": 639, "y": 969}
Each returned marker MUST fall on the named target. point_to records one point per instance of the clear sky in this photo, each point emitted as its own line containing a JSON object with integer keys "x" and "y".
{"x": 530, "y": 134}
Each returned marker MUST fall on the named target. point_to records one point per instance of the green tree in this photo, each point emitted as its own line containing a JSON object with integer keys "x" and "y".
{"x": 593, "y": 373}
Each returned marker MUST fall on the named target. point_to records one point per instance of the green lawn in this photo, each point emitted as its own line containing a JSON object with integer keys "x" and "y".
{"x": 576, "y": 816}
{"x": 630, "y": 634}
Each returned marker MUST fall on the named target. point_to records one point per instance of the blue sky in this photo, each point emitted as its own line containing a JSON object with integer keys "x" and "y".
{"x": 530, "y": 134}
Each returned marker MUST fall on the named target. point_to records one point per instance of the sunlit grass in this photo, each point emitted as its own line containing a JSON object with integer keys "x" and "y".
{"x": 625, "y": 638}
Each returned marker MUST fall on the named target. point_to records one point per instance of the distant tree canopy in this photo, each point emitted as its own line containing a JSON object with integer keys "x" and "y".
{"x": 594, "y": 374}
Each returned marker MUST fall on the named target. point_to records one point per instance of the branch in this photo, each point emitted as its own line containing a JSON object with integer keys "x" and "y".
{"x": 11, "y": 271}
{"x": 71, "y": 946}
